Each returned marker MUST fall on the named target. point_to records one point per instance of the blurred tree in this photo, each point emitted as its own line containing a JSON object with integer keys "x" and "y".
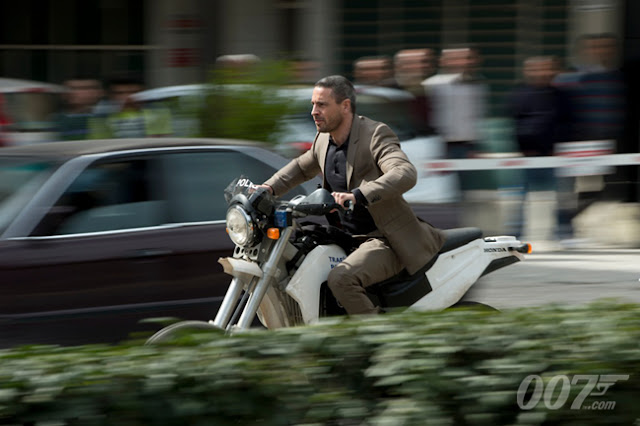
{"x": 245, "y": 102}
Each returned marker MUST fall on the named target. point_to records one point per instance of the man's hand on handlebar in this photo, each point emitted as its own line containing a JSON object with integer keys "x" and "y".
{"x": 345, "y": 199}
{"x": 267, "y": 187}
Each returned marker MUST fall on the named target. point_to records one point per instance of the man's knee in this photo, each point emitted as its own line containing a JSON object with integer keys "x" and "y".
{"x": 339, "y": 277}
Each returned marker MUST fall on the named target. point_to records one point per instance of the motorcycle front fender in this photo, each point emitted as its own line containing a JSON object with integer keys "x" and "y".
{"x": 240, "y": 269}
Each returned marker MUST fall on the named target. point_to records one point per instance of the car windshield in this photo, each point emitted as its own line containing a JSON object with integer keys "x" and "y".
{"x": 20, "y": 179}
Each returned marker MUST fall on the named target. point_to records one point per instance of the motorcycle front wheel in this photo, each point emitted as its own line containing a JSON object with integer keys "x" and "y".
{"x": 183, "y": 331}
{"x": 469, "y": 304}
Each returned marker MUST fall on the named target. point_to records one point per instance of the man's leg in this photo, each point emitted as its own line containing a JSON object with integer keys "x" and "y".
{"x": 372, "y": 262}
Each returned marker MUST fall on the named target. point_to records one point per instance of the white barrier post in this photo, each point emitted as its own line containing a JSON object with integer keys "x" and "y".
{"x": 578, "y": 159}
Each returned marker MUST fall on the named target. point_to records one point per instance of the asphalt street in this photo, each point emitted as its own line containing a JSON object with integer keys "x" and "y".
{"x": 563, "y": 277}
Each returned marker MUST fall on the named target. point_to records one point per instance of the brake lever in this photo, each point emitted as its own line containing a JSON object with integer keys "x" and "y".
{"x": 347, "y": 209}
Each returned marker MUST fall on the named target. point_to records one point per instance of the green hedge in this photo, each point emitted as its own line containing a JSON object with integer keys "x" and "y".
{"x": 459, "y": 367}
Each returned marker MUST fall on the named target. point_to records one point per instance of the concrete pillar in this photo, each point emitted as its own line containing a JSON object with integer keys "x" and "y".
{"x": 182, "y": 55}
{"x": 455, "y": 22}
{"x": 594, "y": 16}
{"x": 529, "y": 34}
{"x": 390, "y": 27}
{"x": 318, "y": 34}
{"x": 250, "y": 26}
{"x": 175, "y": 31}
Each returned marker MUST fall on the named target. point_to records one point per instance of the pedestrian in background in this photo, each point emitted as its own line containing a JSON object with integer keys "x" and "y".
{"x": 597, "y": 91}
{"x": 120, "y": 115}
{"x": 80, "y": 100}
{"x": 373, "y": 70}
{"x": 459, "y": 101}
{"x": 119, "y": 88}
{"x": 411, "y": 67}
{"x": 597, "y": 88}
{"x": 542, "y": 116}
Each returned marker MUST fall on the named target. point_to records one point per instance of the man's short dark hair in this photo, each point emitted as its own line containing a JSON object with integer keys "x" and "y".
{"x": 342, "y": 89}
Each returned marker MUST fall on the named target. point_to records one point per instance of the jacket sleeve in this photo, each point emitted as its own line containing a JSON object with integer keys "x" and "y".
{"x": 398, "y": 174}
{"x": 296, "y": 172}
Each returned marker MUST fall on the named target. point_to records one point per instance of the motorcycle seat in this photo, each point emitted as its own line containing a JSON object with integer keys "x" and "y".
{"x": 457, "y": 237}
{"x": 404, "y": 289}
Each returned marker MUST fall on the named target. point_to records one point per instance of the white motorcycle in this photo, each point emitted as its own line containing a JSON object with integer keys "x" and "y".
{"x": 280, "y": 265}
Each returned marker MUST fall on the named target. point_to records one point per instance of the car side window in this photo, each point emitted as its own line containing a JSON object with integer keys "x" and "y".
{"x": 196, "y": 182}
{"x": 107, "y": 196}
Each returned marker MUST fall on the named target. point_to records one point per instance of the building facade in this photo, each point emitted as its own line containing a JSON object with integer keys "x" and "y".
{"x": 169, "y": 42}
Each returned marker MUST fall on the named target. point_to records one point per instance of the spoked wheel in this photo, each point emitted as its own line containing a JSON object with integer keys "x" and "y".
{"x": 476, "y": 306}
{"x": 184, "y": 331}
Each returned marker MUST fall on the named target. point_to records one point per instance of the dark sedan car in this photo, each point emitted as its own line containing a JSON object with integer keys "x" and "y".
{"x": 98, "y": 235}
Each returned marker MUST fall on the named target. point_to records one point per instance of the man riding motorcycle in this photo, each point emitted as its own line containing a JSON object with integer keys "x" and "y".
{"x": 362, "y": 163}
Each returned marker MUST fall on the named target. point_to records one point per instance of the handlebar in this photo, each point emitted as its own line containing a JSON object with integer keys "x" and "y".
{"x": 318, "y": 203}
{"x": 322, "y": 208}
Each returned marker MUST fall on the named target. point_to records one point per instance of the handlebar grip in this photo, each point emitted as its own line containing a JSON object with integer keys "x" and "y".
{"x": 348, "y": 205}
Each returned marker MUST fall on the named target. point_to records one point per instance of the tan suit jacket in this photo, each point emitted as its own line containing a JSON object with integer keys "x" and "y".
{"x": 380, "y": 169}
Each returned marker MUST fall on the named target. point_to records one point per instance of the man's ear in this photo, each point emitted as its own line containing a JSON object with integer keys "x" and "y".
{"x": 346, "y": 105}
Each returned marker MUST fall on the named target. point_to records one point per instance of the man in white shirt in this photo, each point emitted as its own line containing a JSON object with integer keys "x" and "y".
{"x": 459, "y": 102}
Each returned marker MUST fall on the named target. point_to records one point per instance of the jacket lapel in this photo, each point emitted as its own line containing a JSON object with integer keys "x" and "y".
{"x": 353, "y": 147}
{"x": 322, "y": 144}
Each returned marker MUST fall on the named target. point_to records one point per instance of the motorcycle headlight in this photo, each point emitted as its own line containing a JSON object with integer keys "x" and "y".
{"x": 240, "y": 227}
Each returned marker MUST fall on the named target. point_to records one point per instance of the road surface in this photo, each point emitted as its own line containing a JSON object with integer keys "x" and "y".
{"x": 562, "y": 277}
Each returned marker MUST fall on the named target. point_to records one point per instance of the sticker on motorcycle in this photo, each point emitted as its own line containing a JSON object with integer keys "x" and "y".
{"x": 333, "y": 261}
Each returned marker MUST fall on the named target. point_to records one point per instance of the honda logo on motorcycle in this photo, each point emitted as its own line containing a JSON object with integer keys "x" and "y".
{"x": 495, "y": 250}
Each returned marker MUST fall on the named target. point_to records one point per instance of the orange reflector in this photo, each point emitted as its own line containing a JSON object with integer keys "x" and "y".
{"x": 226, "y": 229}
{"x": 524, "y": 248}
{"x": 273, "y": 233}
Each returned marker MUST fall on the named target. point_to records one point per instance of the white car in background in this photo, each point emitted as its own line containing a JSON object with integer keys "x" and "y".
{"x": 395, "y": 108}
{"x": 28, "y": 111}
{"x": 297, "y": 130}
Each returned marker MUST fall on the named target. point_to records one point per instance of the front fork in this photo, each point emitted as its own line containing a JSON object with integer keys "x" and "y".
{"x": 224, "y": 317}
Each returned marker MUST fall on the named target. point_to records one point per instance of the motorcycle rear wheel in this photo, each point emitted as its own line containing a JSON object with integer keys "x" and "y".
{"x": 182, "y": 330}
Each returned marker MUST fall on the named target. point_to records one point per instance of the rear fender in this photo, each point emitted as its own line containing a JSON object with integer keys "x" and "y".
{"x": 455, "y": 271}
{"x": 472, "y": 259}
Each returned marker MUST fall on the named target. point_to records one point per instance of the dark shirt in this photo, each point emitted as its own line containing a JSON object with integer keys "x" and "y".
{"x": 72, "y": 126}
{"x": 542, "y": 117}
{"x": 359, "y": 221}
{"x": 599, "y": 103}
